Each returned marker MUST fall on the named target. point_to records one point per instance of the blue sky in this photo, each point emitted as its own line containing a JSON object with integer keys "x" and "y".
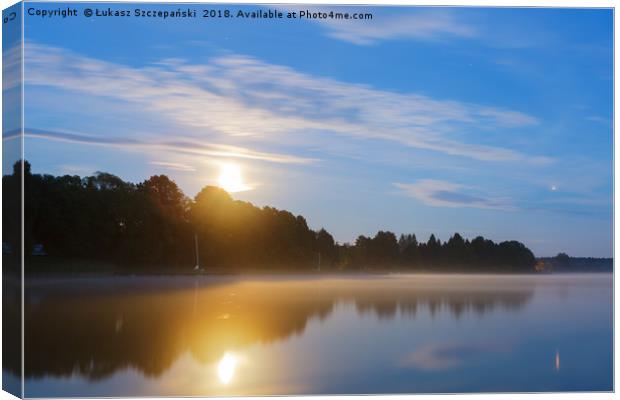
{"x": 495, "y": 122}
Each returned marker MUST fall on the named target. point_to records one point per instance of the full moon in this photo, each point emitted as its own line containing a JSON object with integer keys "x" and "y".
{"x": 226, "y": 368}
{"x": 230, "y": 179}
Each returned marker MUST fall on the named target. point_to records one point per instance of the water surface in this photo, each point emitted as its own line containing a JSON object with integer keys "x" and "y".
{"x": 202, "y": 336}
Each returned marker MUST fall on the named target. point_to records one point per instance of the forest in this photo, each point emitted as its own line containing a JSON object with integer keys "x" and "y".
{"x": 153, "y": 226}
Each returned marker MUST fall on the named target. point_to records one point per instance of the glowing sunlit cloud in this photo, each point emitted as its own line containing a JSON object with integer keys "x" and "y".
{"x": 173, "y": 166}
{"x": 230, "y": 179}
{"x": 226, "y": 368}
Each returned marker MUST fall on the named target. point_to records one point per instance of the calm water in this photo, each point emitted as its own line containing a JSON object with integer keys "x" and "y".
{"x": 309, "y": 335}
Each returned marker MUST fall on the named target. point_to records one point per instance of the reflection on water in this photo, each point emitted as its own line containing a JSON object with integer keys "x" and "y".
{"x": 298, "y": 335}
{"x": 226, "y": 367}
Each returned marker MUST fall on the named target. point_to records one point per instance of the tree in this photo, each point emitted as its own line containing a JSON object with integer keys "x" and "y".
{"x": 457, "y": 251}
{"x": 325, "y": 246}
{"x": 164, "y": 227}
{"x": 514, "y": 254}
{"x": 383, "y": 249}
{"x": 409, "y": 249}
{"x": 432, "y": 251}
{"x": 563, "y": 259}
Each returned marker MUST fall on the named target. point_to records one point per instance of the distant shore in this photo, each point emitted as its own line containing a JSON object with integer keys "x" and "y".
{"x": 44, "y": 267}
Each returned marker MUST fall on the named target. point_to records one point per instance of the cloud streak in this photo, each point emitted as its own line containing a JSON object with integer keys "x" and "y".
{"x": 12, "y": 67}
{"x": 234, "y": 98}
{"x": 439, "y": 193}
{"x": 426, "y": 25}
{"x": 600, "y": 120}
{"x": 173, "y": 166}
{"x": 173, "y": 146}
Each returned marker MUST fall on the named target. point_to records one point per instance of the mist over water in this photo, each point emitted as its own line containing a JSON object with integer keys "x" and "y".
{"x": 317, "y": 335}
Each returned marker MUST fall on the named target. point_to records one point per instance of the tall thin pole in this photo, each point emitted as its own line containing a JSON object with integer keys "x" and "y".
{"x": 197, "y": 252}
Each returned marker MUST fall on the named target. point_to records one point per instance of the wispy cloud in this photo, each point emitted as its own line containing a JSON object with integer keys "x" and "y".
{"x": 600, "y": 120}
{"x": 174, "y": 146}
{"x": 236, "y": 98}
{"x": 428, "y": 25}
{"x": 447, "y": 194}
{"x": 12, "y": 67}
{"x": 173, "y": 166}
{"x": 71, "y": 169}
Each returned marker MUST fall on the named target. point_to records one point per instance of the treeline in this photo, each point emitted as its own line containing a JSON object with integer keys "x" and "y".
{"x": 154, "y": 225}
{"x": 565, "y": 263}
{"x": 457, "y": 253}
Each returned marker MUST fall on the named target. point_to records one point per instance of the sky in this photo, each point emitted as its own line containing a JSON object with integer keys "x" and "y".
{"x": 483, "y": 121}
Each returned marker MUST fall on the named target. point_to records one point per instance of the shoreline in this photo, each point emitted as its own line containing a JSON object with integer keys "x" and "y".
{"x": 283, "y": 274}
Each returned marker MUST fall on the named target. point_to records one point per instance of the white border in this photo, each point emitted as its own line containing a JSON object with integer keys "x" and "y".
{"x": 462, "y": 3}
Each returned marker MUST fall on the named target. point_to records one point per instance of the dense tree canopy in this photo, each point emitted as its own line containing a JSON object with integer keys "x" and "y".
{"x": 154, "y": 225}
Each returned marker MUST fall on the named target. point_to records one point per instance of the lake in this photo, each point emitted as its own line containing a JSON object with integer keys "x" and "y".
{"x": 345, "y": 334}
